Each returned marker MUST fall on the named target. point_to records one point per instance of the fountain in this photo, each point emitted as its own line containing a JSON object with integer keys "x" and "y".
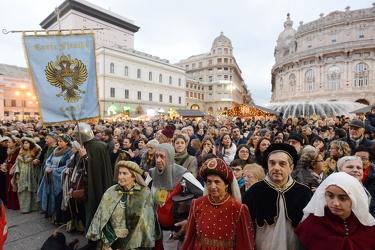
{"x": 321, "y": 108}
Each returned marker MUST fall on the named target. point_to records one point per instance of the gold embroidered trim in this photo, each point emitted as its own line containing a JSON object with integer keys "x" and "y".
{"x": 121, "y": 233}
{"x": 215, "y": 243}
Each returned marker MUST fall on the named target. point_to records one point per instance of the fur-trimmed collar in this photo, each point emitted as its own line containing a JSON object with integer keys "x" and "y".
{"x": 59, "y": 152}
{"x": 32, "y": 154}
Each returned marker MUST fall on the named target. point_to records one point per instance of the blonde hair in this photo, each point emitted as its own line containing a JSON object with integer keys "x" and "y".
{"x": 256, "y": 169}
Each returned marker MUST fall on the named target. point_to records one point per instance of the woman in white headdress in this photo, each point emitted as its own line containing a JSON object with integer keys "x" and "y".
{"x": 337, "y": 217}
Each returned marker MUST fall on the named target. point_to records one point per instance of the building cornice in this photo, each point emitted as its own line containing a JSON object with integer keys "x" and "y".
{"x": 68, "y": 5}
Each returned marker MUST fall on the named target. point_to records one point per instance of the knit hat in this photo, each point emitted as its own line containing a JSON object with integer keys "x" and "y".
{"x": 280, "y": 147}
{"x": 297, "y": 137}
{"x": 168, "y": 131}
{"x": 54, "y": 135}
{"x": 216, "y": 166}
{"x": 66, "y": 138}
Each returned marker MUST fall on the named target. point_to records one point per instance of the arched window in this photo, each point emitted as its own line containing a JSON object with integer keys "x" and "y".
{"x": 126, "y": 71}
{"x": 334, "y": 77}
{"x": 292, "y": 83}
{"x": 310, "y": 80}
{"x": 170, "y": 80}
{"x": 112, "y": 68}
{"x": 138, "y": 73}
{"x": 361, "y": 75}
{"x": 160, "y": 78}
{"x": 150, "y": 76}
{"x": 210, "y": 110}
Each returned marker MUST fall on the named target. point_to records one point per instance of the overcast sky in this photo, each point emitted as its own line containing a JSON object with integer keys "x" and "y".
{"x": 175, "y": 29}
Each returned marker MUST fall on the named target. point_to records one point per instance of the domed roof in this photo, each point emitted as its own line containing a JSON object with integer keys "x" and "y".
{"x": 288, "y": 31}
{"x": 222, "y": 40}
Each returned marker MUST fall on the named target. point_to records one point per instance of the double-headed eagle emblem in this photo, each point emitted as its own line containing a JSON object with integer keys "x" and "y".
{"x": 67, "y": 74}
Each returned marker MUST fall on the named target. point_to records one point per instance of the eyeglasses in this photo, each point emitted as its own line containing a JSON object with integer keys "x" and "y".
{"x": 236, "y": 169}
{"x": 249, "y": 176}
{"x": 333, "y": 149}
{"x": 244, "y": 152}
{"x": 363, "y": 158}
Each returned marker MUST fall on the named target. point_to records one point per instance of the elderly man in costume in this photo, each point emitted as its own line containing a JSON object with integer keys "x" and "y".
{"x": 94, "y": 158}
{"x": 125, "y": 218}
{"x": 276, "y": 203}
{"x": 169, "y": 180}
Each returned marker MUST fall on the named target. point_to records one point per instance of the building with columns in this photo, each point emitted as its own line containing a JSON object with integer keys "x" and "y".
{"x": 328, "y": 59}
{"x": 213, "y": 80}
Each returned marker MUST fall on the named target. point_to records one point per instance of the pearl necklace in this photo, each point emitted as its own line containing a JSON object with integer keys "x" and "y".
{"x": 217, "y": 204}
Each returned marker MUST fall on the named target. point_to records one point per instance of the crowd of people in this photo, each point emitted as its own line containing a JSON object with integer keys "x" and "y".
{"x": 254, "y": 183}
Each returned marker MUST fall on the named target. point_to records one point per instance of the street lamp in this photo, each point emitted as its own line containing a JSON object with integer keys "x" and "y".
{"x": 23, "y": 93}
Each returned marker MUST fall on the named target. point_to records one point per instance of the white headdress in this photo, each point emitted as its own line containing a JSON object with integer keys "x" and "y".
{"x": 355, "y": 191}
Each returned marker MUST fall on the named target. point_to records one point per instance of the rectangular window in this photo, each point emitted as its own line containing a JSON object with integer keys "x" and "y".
{"x": 219, "y": 87}
{"x": 219, "y": 69}
{"x": 219, "y": 77}
{"x": 210, "y": 97}
{"x": 191, "y": 94}
{"x": 170, "y": 99}
{"x": 150, "y": 97}
{"x": 179, "y": 100}
{"x": 23, "y": 103}
{"x": 210, "y": 62}
{"x": 219, "y": 60}
{"x": 333, "y": 38}
{"x": 200, "y": 64}
{"x": 193, "y": 66}
{"x": 13, "y": 103}
{"x": 209, "y": 87}
{"x": 187, "y": 67}
{"x": 210, "y": 71}
{"x": 199, "y": 95}
{"x": 225, "y": 60}
{"x": 202, "y": 96}
{"x": 187, "y": 93}
{"x": 160, "y": 97}
{"x": 361, "y": 34}
{"x": 126, "y": 94}
{"x": 309, "y": 43}
{"x": 139, "y": 95}
{"x": 112, "y": 92}
{"x": 210, "y": 78}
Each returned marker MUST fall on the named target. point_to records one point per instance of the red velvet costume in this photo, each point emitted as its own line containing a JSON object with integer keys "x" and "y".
{"x": 227, "y": 226}
{"x": 12, "y": 197}
{"x": 332, "y": 232}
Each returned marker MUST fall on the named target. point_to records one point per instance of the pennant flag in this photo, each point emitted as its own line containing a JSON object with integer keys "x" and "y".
{"x": 63, "y": 72}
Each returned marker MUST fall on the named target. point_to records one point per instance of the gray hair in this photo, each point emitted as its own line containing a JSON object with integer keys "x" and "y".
{"x": 344, "y": 159}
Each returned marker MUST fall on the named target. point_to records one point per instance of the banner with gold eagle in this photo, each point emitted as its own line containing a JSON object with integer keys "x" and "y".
{"x": 63, "y": 72}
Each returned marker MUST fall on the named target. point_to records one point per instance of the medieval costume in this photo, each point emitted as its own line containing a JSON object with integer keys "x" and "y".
{"x": 165, "y": 185}
{"x": 28, "y": 175}
{"x": 224, "y": 224}
{"x": 126, "y": 218}
{"x": 11, "y": 188}
{"x": 322, "y": 229}
{"x": 125, "y": 215}
{"x": 277, "y": 210}
{"x": 50, "y": 189}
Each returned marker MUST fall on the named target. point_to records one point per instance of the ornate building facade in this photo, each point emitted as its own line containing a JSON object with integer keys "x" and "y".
{"x": 213, "y": 80}
{"x": 329, "y": 59}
